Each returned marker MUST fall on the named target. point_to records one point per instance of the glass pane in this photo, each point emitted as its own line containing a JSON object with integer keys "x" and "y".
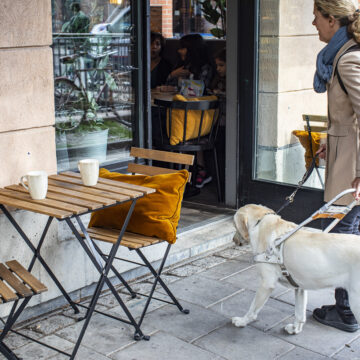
{"x": 94, "y": 83}
{"x": 288, "y": 47}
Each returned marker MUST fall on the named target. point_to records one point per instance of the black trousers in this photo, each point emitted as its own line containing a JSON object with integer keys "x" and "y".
{"x": 349, "y": 225}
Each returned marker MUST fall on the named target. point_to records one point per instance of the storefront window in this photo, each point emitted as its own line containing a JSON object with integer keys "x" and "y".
{"x": 288, "y": 46}
{"x": 94, "y": 80}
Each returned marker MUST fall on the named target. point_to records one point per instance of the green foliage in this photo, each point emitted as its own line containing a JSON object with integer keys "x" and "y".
{"x": 215, "y": 10}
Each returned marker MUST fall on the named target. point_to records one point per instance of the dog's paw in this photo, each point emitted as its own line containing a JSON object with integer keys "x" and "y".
{"x": 294, "y": 329}
{"x": 240, "y": 321}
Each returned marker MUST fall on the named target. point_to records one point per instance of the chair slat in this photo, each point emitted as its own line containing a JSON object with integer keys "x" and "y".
{"x": 6, "y": 293}
{"x": 166, "y": 156}
{"x": 25, "y": 276}
{"x": 14, "y": 282}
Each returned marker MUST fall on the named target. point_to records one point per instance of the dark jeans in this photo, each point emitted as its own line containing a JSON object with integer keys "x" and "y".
{"x": 349, "y": 225}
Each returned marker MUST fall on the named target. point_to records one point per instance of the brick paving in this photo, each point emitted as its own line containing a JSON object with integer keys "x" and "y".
{"x": 214, "y": 287}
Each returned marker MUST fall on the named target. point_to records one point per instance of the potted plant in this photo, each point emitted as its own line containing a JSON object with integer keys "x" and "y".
{"x": 80, "y": 128}
{"x": 215, "y": 13}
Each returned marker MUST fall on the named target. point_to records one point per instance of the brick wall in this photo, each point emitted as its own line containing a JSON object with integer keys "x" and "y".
{"x": 166, "y": 17}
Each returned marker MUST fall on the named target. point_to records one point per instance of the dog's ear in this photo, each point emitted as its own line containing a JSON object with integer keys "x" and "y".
{"x": 241, "y": 224}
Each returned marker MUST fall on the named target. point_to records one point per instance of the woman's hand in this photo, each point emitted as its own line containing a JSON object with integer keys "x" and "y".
{"x": 356, "y": 185}
{"x": 322, "y": 151}
{"x": 180, "y": 72}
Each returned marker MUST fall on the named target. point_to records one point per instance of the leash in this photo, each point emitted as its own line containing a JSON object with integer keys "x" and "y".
{"x": 290, "y": 199}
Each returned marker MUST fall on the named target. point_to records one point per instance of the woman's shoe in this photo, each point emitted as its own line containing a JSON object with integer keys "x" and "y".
{"x": 202, "y": 178}
{"x": 332, "y": 316}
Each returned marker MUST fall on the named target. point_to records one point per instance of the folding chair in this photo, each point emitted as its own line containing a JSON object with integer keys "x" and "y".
{"x": 16, "y": 284}
{"x": 136, "y": 242}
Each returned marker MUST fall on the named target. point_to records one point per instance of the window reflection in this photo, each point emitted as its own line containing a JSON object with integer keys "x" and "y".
{"x": 93, "y": 87}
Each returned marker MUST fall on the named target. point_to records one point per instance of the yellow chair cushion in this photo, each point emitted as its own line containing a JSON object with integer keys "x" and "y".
{"x": 303, "y": 137}
{"x": 193, "y": 121}
{"x": 156, "y": 214}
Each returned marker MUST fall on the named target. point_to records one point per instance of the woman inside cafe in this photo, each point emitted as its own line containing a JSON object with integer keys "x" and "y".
{"x": 193, "y": 61}
{"x": 160, "y": 67}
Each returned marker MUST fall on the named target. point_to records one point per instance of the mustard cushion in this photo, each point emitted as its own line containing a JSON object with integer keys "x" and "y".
{"x": 156, "y": 214}
{"x": 303, "y": 137}
{"x": 193, "y": 121}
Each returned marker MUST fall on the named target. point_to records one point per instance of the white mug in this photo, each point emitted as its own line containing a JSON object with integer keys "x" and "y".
{"x": 37, "y": 184}
{"x": 89, "y": 170}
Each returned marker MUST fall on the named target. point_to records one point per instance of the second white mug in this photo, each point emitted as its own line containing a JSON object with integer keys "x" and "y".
{"x": 89, "y": 170}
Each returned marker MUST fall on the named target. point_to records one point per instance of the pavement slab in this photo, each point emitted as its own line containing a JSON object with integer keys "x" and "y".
{"x": 233, "y": 252}
{"x": 188, "y": 327}
{"x": 104, "y": 335}
{"x": 208, "y": 262}
{"x": 246, "y": 343}
{"x": 316, "y": 337}
{"x": 302, "y": 354}
{"x": 202, "y": 291}
{"x": 350, "y": 351}
{"x": 249, "y": 279}
{"x": 227, "y": 269}
{"x": 51, "y": 324}
{"x": 185, "y": 270}
{"x": 35, "y": 351}
{"x": 163, "y": 346}
{"x": 270, "y": 315}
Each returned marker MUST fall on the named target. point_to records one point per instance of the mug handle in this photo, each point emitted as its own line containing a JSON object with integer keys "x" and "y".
{"x": 22, "y": 182}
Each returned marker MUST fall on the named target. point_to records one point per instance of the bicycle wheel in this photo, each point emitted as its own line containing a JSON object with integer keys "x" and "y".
{"x": 70, "y": 104}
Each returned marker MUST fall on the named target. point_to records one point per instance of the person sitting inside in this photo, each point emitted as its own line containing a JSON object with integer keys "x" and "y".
{"x": 160, "y": 67}
{"x": 193, "y": 59}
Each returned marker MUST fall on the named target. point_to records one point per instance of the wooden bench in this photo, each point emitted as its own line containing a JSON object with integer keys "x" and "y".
{"x": 16, "y": 283}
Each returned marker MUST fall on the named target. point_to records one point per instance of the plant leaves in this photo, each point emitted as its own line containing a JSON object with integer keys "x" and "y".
{"x": 219, "y": 33}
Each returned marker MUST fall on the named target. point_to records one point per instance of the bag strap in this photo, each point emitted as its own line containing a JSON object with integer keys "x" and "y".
{"x": 353, "y": 48}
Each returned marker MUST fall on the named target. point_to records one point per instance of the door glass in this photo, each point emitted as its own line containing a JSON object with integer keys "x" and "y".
{"x": 94, "y": 83}
{"x": 288, "y": 46}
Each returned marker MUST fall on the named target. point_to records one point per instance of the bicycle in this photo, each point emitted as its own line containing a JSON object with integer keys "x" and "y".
{"x": 80, "y": 95}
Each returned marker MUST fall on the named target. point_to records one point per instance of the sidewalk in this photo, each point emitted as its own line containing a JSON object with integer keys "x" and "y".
{"x": 214, "y": 287}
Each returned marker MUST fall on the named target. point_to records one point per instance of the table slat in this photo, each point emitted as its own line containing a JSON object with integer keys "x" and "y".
{"x": 6, "y": 293}
{"x": 37, "y": 208}
{"x": 49, "y": 202}
{"x": 60, "y": 197}
{"x": 80, "y": 195}
{"x": 24, "y": 275}
{"x": 142, "y": 189}
{"x": 106, "y": 195}
{"x": 101, "y": 186}
{"x": 14, "y": 282}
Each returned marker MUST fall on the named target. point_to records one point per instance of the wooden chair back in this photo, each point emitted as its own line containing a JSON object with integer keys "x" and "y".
{"x": 318, "y": 123}
{"x": 202, "y": 106}
{"x": 160, "y": 156}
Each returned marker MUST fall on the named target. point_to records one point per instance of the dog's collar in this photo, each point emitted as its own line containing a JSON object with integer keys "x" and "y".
{"x": 259, "y": 221}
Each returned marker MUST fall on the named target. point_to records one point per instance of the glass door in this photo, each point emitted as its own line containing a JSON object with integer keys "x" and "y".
{"x": 274, "y": 146}
{"x": 96, "y": 80}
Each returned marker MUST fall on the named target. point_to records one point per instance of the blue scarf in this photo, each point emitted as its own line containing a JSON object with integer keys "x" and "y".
{"x": 325, "y": 59}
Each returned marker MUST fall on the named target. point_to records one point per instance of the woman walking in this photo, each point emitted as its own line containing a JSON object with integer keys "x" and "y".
{"x": 338, "y": 74}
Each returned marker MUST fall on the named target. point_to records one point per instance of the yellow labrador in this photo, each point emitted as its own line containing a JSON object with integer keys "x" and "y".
{"x": 314, "y": 260}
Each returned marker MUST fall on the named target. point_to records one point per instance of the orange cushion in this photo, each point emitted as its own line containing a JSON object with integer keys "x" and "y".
{"x": 192, "y": 122}
{"x": 156, "y": 214}
{"x": 303, "y": 137}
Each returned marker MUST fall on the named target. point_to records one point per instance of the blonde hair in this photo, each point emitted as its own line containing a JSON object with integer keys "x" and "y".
{"x": 345, "y": 11}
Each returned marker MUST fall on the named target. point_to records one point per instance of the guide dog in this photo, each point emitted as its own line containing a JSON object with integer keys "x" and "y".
{"x": 315, "y": 260}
